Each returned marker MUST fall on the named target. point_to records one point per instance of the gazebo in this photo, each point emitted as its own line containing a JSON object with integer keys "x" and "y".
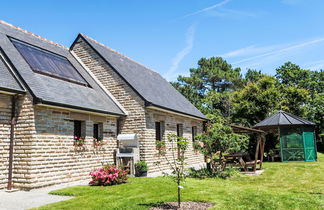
{"x": 297, "y": 142}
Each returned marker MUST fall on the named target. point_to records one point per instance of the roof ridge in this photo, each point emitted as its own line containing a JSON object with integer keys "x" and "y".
{"x": 284, "y": 114}
{"x": 32, "y": 34}
{"x": 300, "y": 119}
{"x": 115, "y": 51}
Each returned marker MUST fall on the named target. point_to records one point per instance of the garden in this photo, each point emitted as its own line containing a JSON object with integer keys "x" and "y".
{"x": 294, "y": 185}
{"x": 226, "y": 98}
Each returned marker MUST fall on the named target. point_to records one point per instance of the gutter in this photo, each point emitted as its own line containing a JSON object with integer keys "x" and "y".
{"x": 41, "y": 102}
{"x": 165, "y": 109}
{"x": 13, "y": 122}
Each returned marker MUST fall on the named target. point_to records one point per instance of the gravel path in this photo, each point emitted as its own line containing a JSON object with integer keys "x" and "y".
{"x": 21, "y": 200}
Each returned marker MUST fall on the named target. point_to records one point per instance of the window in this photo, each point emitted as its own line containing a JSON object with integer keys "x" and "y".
{"x": 159, "y": 130}
{"x": 158, "y": 133}
{"x": 118, "y": 125}
{"x": 98, "y": 131}
{"x": 48, "y": 63}
{"x": 193, "y": 132}
{"x": 180, "y": 130}
{"x": 77, "y": 129}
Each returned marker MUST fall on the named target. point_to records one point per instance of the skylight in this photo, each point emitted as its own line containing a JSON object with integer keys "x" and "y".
{"x": 48, "y": 63}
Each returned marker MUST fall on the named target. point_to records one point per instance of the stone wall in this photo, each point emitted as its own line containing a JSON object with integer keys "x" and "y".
{"x": 170, "y": 124}
{"x": 5, "y": 115}
{"x": 125, "y": 95}
{"x": 139, "y": 120}
{"x": 44, "y": 151}
{"x": 24, "y": 130}
{"x": 55, "y": 158}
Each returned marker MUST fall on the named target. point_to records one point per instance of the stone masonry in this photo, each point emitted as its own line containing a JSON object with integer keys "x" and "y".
{"x": 44, "y": 150}
{"x": 44, "y": 153}
{"x": 140, "y": 119}
{"x": 5, "y": 115}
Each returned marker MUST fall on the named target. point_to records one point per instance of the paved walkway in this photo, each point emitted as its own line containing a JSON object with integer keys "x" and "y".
{"x": 21, "y": 200}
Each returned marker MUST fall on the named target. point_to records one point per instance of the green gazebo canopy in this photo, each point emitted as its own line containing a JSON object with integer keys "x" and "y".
{"x": 297, "y": 142}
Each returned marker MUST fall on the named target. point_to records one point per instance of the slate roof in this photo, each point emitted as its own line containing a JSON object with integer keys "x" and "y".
{"x": 148, "y": 84}
{"x": 282, "y": 118}
{"x": 49, "y": 90}
{"x": 8, "y": 82}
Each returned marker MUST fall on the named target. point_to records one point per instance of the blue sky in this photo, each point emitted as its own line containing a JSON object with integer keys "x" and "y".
{"x": 170, "y": 36}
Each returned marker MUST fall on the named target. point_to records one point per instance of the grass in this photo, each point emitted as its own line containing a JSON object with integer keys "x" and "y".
{"x": 295, "y": 185}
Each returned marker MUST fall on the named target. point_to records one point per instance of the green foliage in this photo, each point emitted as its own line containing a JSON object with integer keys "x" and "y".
{"x": 140, "y": 168}
{"x": 216, "y": 141}
{"x": 202, "y": 87}
{"x": 292, "y": 75}
{"x": 253, "y": 75}
{"x": 205, "y": 173}
{"x": 256, "y": 101}
{"x": 219, "y": 91}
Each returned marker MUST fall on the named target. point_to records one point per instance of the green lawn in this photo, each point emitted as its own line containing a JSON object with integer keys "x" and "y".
{"x": 281, "y": 186}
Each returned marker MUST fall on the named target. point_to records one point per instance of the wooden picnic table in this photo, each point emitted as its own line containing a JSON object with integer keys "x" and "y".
{"x": 235, "y": 159}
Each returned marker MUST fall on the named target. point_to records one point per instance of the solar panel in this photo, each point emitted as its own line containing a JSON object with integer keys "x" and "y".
{"x": 48, "y": 63}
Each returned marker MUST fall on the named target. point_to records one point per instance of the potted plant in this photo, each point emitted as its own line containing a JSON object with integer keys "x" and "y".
{"x": 141, "y": 168}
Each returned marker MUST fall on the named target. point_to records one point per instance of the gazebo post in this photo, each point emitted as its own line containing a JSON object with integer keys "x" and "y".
{"x": 262, "y": 149}
{"x": 256, "y": 153}
{"x": 281, "y": 153}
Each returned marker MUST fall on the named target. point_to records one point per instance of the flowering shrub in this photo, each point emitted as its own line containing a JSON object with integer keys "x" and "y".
{"x": 78, "y": 141}
{"x": 108, "y": 175}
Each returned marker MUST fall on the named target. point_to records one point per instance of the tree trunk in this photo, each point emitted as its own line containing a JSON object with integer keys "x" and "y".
{"x": 179, "y": 194}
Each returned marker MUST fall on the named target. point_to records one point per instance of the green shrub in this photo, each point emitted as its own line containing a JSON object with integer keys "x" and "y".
{"x": 140, "y": 168}
{"x": 205, "y": 173}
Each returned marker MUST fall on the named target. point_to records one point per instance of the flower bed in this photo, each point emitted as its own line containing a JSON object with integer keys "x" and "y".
{"x": 108, "y": 175}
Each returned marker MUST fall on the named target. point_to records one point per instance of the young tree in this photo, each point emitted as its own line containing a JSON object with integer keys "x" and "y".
{"x": 173, "y": 152}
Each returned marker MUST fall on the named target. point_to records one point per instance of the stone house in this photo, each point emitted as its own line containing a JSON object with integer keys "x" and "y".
{"x": 61, "y": 109}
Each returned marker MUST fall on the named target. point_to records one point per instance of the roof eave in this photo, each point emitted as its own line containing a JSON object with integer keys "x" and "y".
{"x": 41, "y": 102}
{"x": 11, "y": 91}
{"x": 162, "y": 108}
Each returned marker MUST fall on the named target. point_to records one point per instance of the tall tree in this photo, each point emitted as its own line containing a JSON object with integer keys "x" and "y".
{"x": 207, "y": 83}
{"x": 253, "y": 75}
{"x": 256, "y": 101}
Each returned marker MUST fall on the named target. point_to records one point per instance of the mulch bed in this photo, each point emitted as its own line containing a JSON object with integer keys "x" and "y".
{"x": 184, "y": 206}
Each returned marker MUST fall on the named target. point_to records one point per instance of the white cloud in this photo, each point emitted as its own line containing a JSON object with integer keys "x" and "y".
{"x": 279, "y": 53}
{"x": 190, "y": 36}
{"x": 314, "y": 65}
{"x": 208, "y": 8}
{"x": 247, "y": 51}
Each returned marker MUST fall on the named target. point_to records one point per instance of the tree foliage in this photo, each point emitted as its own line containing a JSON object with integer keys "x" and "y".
{"x": 216, "y": 141}
{"x": 207, "y": 85}
{"x": 219, "y": 90}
